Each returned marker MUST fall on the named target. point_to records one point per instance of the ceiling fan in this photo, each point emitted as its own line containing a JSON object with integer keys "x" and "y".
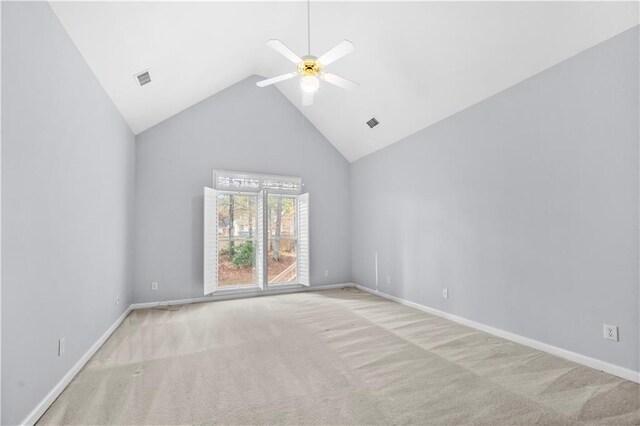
{"x": 309, "y": 68}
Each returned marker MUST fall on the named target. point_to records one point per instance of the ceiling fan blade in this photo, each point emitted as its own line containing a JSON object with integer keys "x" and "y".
{"x": 307, "y": 98}
{"x": 274, "y": 80}
{"x": 340, "y": 81}
{"x": 279, "y": 47}
{"x": 343, "y": 48}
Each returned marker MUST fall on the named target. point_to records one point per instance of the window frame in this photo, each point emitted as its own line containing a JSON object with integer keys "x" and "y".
{"x": 249, "y": 286}
{"x": 260, "y": 190}
{"x": 295, "y": 239}
{"x": 260, "y": 181}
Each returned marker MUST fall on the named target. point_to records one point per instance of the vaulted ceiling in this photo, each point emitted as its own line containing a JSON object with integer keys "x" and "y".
{"x": 417, "y": 62}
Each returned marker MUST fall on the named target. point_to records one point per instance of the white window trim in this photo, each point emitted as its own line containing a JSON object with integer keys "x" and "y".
{"x": 242, "y": 287}
{"x": 262, "y": 182}
{"x": 296, "y": 238}
{"x": 264, "y": 286}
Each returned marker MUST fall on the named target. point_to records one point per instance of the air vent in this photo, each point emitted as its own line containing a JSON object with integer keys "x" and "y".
{"x": 143, "y": 78}
{"x": 373, "y": 122}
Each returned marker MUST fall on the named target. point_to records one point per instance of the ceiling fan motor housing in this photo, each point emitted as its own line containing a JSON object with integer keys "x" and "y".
{"x": 309, "y": 66}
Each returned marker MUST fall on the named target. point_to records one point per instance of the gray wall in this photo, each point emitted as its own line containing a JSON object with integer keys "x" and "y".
{"x": 242, "y": 128}
{"x": 525, "y": 206}
{"x": 67, "y": 206}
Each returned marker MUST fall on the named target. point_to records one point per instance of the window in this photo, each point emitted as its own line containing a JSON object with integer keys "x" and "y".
{"x": 282, "y": 239}
{"x": 236, "y": 233}
{"x": 249, "y": 182}
{"x": 256, "y": 232}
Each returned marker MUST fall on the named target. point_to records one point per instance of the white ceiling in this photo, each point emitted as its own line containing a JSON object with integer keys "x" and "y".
{"x": 417, "y": 62}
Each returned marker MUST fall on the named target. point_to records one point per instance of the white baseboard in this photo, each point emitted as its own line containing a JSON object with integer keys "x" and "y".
{"x": 597, "y": 364}
{"x": 46, "y": 402}
{"x": 228, "y": 295}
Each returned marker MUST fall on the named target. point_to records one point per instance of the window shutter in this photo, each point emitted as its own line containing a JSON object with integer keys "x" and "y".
{"x": 210, "y": 240}
{"x": 303, "y": 239}
{"x": 260, "y": 239}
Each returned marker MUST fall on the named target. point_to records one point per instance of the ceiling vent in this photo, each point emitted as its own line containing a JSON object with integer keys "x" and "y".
{"x": 143, "y": 78}
{"x": 373, "y": 123}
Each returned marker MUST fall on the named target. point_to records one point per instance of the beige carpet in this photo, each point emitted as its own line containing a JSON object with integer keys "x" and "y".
{"x": 330, "y": 357}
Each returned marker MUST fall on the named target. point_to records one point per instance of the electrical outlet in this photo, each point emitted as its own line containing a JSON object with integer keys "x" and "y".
{"x": 154, "y": 285}
{"x": 61, "y": 346}
{"x": 611, "y": 332}
{"x": 445, "y": 293}
{"x": 326, "y": 273}
{"x": 388, "y": 280}
{"x": 118, "y": 301}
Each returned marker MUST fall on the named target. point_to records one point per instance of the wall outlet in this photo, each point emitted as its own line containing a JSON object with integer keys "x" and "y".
{"x": 445, "y": 293}
{"x": 388, "y": 280}
{"x": 154, "y": 285}
{"x": 326, "y": 273}
{"x": 118, "y": 301}
{"x": 61, "y": 346}
{"x": 611, "y": 332}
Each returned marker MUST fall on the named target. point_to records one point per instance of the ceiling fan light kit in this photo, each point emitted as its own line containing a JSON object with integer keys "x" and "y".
{"x": 309, "y": 68}
{"x": 309, "y": 83}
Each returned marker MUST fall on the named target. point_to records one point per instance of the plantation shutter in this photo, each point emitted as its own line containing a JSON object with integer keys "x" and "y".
{"x": 261, "y": 238}
{"x": 303, "y": 239}
{"x": 210, "y": 241}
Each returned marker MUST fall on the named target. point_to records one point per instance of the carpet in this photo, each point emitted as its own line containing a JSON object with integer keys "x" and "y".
{"x": 329, "y": 357}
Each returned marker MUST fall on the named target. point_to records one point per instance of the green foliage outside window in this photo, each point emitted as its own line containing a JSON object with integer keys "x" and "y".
{"x": 243, "y": 254}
